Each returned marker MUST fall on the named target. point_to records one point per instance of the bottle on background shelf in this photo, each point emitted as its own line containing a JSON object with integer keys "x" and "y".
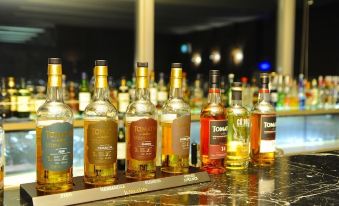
{"x": 246, "y": 94}
{"x": 254, "y": 90}
{"x": 153, "y": 89}
{"x": 223, "y": 89}
{"x": 13, "y": 93}
{"x": 301, "y": 93}
{"x": 2, "y": 159}
{"x": 123, "y": 96}
{"x": 23, "y": 100}
{"x": 64, "y": 88}
{"x": 273, "y": 89}
{"x": 162, "y": 94}
{"x": 54, "y": 136}
{"x": 263, "y": 127}
{"x": 175, "y": 124}
{"x": 229, "y": 89}
{"x": 238, "y": 118}
{"x": 101, "y": 131}
{"x": 197, "y": 96}
{"x": 73, "y": 100}
{"x": 5, "y": 105}
{"x": 40, "y": 97}
{"x": 141, "y": 130}
{"x": 121, "y": 162}
{"x": 185, "y": 88}
{"x": 281, "y": 93}
{"x": 213, "y": 128}
{"x": 131, "y": 90}
{"x": 84, "y": 94}
{"x": 113, "y": 91}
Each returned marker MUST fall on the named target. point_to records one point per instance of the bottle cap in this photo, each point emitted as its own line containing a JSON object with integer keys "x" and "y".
{"x": 142, "y": 70}
{"x": 214, "y": 78}
{"x": 54, "y": 66}
{"x": 100, "y": 68}
{"x": 100, "y": 62}
{"x": 176, "y": 73}
{"x": 54, "y": 61}
{"x": 142, "y": 64}
{"x": 176, "y": 65}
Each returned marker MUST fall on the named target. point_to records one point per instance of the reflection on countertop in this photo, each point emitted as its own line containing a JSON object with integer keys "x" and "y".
{"x": 306, "y": 179}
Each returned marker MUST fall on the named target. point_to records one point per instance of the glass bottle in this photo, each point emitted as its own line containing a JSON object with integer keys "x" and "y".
{"x": 263, "y": 127}
{"x": 54, "y": 136}
{"x": 13, "y": 93}
{"x": 197, "y": 96}
{"x": 123, "y": 96}
{"x": 100, "y": 128}
{"x": 141, "y": 130}
{"x": 23, "y": 100}
{"x": 301, "y": 93}
{"x": 238, "y": 117}
{"x": 175, "y": 124}
{"x": 5, "y": 107}
{"x": 185, "y": 88}
{"x": 40, "y": 97}
{"x": 153, "y": 89}
{"x": 229, "y": 90}
{"x": 84, "y": 94}
{"x": 162, "y": 94}
{"x": 213, "y": 128}
{"x": 73, "y": 101}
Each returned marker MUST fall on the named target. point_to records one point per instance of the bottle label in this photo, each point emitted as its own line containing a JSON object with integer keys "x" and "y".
{"x": 268, "y": 131}
{"x": 143, "y": 139}
{"x": 123, "y": 102}
{"x": 57, "y": 146}
{"x": 181, "y": 128}
{"x": 102, "y": 142}
{"x": 218, "y": 135}
{"x": 84, "y": 100}
{"x": 23, "y": 103}
{"x": 162, "y": 96}
{"x": 238, "y": 132}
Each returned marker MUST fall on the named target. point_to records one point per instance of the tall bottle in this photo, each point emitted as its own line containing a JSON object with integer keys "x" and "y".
{"x": 301, "y": 93}
{"x": 141, "y": 130}
{"x": 238, "y": 117}
{"x": 213, "y": 128}
{"x": 153, "y": 89}
{"x": 5, "y": 107}
{"x": 197, "y": 96}
{"x": 162, "y": 93}
{"x": 54, "y": 136}
{"x": 175, "y": 124}
{"x": 100, "y": 128}
{"x": 229, "y": 90}
{"x": 123, "y": 96}
{"x": 263, "y": 127}
{"x": 23, "y": 100}
{"x": 13, "y": 93}
{"x": 84, "y": 94}
{"x": 73, "y": 101}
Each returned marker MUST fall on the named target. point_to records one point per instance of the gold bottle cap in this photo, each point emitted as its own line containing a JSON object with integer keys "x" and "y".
{"x": 101, "y": 73}
{"x": 54, "y": 72}
{"x": 142, "y": 70}
{"x": 176, "y": 75}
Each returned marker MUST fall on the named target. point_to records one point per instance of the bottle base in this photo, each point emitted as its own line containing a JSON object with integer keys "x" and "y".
{"x": 54, "y": 188}
{"x": 237, "y": 166}
{"x": 140, "y": 175}
{"x": 98, "y": 182}
{"x": 214, "y": 170}
{"x": 175, "y": 170}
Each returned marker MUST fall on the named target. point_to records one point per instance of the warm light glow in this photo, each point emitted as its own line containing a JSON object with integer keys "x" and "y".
{"x": 215, "y": 56}
{"x": 237, "y": 56}
{"x": 196, "y": 59}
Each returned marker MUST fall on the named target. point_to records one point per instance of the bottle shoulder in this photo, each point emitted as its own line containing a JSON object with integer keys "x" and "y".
{"x": 213, "y": 109}
{"x": 100, "y": 108}
{"x": 263, "y": 107}
{"x": 54, "y": 110}
{"x": 237, "y": 110}
{"x": 141, "y": 108}
{"x": 176, "y": 105}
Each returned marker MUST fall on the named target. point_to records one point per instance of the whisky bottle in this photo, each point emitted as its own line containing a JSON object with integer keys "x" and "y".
{"x": 263, "y": 127}
{"x": 162, "y": 94}
{"x": 229, "y": 90}
{"x": 54, "y": 136}
{"x": 100, "y": 128}
{"x": 213, "y": 128}
{"x": 5, "y": 107}
{"x": 73, "y": 101}
{"x": 175, "y": 124}
{"x": 185, "y": 88}
{"x": 153, "y": 89}
{"x": 123, "y": 96}
{"x": 40, "y": 97}
{"x": 23, "y": 100}
{"x": 197, "y": 96}
{"x": 121, "y": 157}
{"x": 13, "y": 93}
{"x": 84, "y": 94}
{"x": 141, "y": 130}
{"x": 237, "y": 156}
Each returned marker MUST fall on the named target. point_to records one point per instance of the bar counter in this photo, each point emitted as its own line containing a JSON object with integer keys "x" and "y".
{"x": 304, "y": 179}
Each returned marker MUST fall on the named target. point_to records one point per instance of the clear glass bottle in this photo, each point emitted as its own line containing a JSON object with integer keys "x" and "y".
{"x": 153, "y": 89}
{"x": 162, "y": 93}
{"x": 213, "y": 128}
{"x": 101, "y": 130}
{"x": 123, "y": 96}
{"x": 141, "y": 130}
{"x": 23, "y": 100}
{"x": 13, "y": 93}
{"x": 175, "y": 124}
{"x": 263, "y": 127}
{"x": 197, "y": 96}
{"x": 54, "y": 136}
{"x": 238, "y": 117}
{"x": 229, "y": 90}
{"x": 84, "y": 94}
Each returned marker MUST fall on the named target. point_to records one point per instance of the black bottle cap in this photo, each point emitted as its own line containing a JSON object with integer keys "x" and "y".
{"x": 194, "y": 154}
{"x": 176, "y": 65}
{"x": 100, "y": 62}
{"x": 236, "y": 91}
{"x": 214, "y": 78}
{"x": 54, "y": 60}
{"x": 142, "y": 64}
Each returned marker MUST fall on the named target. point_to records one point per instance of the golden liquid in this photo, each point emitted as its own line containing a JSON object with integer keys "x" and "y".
{"x": 98, "y": 174}
{"x": 259, "y": 159}
{"x": 170, "y": 162}
{"x": 50, "y": 181}
{"x": 237, "y": 156}
{"x": 137, "y": 169}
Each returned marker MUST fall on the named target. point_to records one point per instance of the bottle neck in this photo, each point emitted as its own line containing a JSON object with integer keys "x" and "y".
{"x": 264, "y": 95}
{"x": 54, "y": 94}
{"x": 141, "y": 92}
{"x": 214, "y": 95}
{"x": 101, "y": 91}
{"x": 176, "y": 93}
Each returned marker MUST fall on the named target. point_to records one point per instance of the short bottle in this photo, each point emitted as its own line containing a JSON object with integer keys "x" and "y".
{"x": 23, "y": 100}
{"x": 263, "y": 127}
{"x": 54, "y": 136}
{"x": 175, "y": 124}
{"x": 213, "y": 128}
{"x": 237, "y": 156}
{"x": 100, "y": 128}
{"x": 123, "y": 96}
{"x": 141, "y": 130}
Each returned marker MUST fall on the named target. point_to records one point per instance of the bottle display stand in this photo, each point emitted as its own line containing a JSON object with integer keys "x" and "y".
{"x": 123, "y": 187}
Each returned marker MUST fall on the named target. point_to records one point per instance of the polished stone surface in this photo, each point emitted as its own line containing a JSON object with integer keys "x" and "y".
{"x": 309, "y": 179}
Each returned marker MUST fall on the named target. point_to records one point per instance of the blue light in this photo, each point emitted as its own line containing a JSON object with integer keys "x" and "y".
{"x": 184, "y": 48}
{"x": 265, "y": 66}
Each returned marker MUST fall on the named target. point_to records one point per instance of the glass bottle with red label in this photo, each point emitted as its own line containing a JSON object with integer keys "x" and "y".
{"x": 141, "y": 130}
{"x": 54, "y": 136}
{"x": 213, "y": 128}
{"x": 175, "y": 125}
{"x": 263, "y": 127}
{"x": 100, "y": 132}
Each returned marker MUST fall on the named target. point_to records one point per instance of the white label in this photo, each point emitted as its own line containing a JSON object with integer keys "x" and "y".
{"x": 38, "y": 103}
{"x": 162, "y": 96}
{"x": 123, "y": 99}
{"x": 84, "y": 100}
{"x": 267, "y": 146}
{"x": 153, "y": 95}
{"x": 121, "y": 151}
{"x": 23, "y": 103}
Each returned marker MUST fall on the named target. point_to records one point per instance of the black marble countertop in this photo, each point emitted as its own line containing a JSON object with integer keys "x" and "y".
{"x": 308, "y": 179}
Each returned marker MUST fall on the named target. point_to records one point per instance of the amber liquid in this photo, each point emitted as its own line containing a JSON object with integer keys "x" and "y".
{"x": 98, "y": 174}
{"x": 137, "y": 169}
{"x": 259, "y": 159}
{"x": 50, "y": 181}
{"x": 171, "y": 162}
{"x": 212, "y": 166}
